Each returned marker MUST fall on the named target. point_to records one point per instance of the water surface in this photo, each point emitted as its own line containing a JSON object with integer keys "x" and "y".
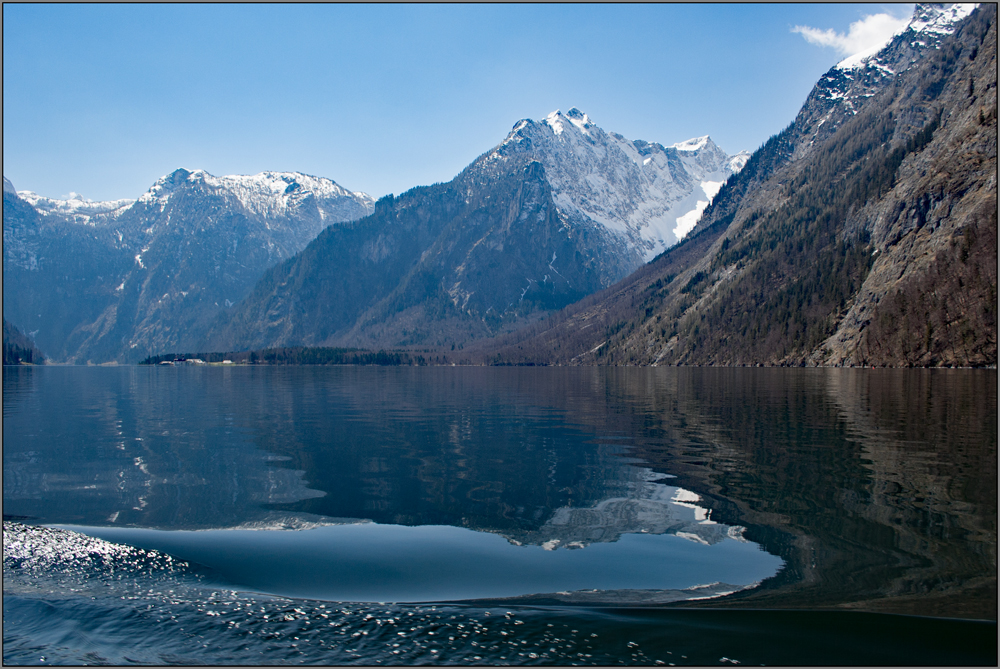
{"x": 844, "y": 490}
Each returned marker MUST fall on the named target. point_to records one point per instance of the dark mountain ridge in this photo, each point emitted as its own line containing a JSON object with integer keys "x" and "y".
{"x": 875, "y": 245}
{"x": 433, "y": 265}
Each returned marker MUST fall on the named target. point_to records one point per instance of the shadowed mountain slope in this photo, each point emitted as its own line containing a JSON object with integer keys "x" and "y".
{"x": 558, "y": 210}
{"x": 113, "y": 281}
{"x": 871, "y": 244}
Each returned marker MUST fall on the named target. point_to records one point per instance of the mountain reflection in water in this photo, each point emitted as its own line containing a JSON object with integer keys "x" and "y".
{"x": 876, "y": 487}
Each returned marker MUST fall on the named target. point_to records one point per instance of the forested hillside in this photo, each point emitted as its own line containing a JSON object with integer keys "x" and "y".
{"x": 18, "y": 347}
{"x": 874, "y": 246}
{"x": 425, "y": 267}
{"x": 556, "y": 211}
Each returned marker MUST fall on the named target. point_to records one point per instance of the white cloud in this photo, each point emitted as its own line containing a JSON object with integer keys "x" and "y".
{"x": 870, "y": 32}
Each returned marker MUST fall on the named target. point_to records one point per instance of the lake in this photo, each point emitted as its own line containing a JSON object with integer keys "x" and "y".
{"x": 380, "y": 515}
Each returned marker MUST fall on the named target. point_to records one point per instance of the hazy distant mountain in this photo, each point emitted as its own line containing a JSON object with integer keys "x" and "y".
{"x": 101, "y": 281}
{"x": 864, "y": 233}
{"x": 558, "y": 210}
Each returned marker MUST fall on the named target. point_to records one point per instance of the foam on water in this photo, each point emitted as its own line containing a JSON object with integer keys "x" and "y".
{"x": 72, "y": 599}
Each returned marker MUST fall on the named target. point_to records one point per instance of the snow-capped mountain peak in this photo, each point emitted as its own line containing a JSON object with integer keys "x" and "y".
{"x": 692, "y": 144}
{"x": 269, "y": 192}
{"x": 940, "y": 19}
{"x": 848, "y": 86}
{"x": 76, "y": 208}
{"x": 647, "y": 195}
{"x": 166, "y": 185}
{"x": 264, "y": 194}
{"x": 579, "y": 119}
{"x": 928, "y": 21}
{"x": 557, "y": 121}
{"x": 166, "y": 264}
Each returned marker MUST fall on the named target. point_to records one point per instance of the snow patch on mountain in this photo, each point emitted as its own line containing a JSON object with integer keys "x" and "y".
{"x": 695, "y": 144}
{"x": 940, "y": 19}
{"x": 266, "y": 194}
{"x": 860, "y": 59}
{"x": 272, "y": 193}
{"x": 77, "y": 208}
{"x": 928, "y": 20}
{"x": 698, "y": 201}
{"x": 738, "y": 161}
{"x": 644, "y": 193}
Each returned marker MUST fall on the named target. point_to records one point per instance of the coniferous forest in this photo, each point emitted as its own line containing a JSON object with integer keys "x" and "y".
{"x": 18, "y": 348}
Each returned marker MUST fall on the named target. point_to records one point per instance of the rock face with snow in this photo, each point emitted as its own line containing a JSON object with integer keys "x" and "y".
{"x": 77, "y": 209}
{"x": 842, "y": 92}
{"x": 645, "y": 193}
{"x": 650, "y": 508}
{"x": 103, "y": 281}
{"x": 559, "y": 210}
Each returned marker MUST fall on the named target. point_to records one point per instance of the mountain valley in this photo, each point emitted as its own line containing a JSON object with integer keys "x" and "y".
{"x": 864, "y": 233}
{"x": 559, "y": 210}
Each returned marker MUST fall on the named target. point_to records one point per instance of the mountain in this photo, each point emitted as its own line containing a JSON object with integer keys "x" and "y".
{"x": 76, "y": 210}
{"x": 644, "y": 192}
{"x": 558, "y": 210}
{"x": 104, "y": 281}
{"x": 845, "y": 89}
{"x": 865, "y": 233}
{"x": 18, "y": 348}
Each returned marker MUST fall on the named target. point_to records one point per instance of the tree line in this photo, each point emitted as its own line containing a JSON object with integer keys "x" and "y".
{"x": 305, "y": 355}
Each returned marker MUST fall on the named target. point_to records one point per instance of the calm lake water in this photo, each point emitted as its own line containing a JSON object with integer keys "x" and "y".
{"x": 363, "y": 515}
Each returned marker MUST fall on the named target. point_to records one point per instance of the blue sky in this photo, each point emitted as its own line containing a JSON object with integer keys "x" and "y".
{"x": 102, "y": 100}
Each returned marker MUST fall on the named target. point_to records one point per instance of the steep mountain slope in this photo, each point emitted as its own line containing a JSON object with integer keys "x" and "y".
{"x": 116, "y": 281}
{"x": 439, "y": 263}
{"x": 18, "y": 348}
{"x": 873, "y": 243}
{"x": 647, "y": 193}
{"x": 56, "y": 275}
{"x": 558, "y": 210}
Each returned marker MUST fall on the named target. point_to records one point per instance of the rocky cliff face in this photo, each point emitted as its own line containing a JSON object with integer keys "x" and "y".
{"x": 559, "y": 210}
{"x": 648, "y": 194}
{"x": 871, "y": 243}
{"x": 118, "y": 280}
